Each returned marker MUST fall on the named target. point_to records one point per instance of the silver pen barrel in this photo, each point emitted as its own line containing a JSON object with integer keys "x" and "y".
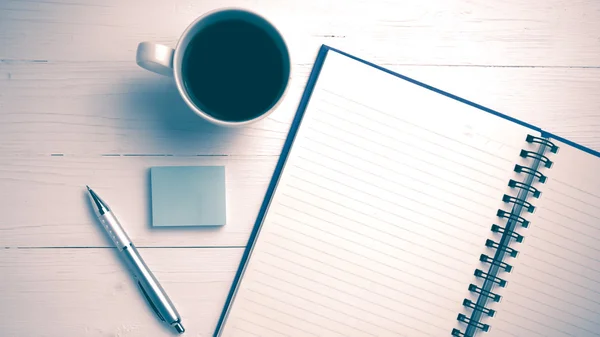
{"x": 114, "y": 230}
{"x": 151, "y": 289}
{"x": 149, "y": 286}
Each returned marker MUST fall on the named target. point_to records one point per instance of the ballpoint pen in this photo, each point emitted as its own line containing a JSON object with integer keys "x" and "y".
{"x": 151, "y": 289}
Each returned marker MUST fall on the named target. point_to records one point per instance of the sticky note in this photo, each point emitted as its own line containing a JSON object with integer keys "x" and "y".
{"x": 188, "y": 195}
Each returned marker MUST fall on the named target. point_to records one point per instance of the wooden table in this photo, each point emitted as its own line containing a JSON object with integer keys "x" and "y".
{"x": 75, "y": 109}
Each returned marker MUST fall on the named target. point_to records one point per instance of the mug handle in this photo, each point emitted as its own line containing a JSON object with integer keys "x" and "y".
{"x": 155, "y": 57}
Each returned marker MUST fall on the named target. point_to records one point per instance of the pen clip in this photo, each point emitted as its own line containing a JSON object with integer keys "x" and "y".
{"x": 150, "y": 302}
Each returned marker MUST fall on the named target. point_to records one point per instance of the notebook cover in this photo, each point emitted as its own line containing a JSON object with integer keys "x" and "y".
{"x": 312, "y": 80}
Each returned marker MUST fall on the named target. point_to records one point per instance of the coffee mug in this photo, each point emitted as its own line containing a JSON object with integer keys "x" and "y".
{"x": 231, "y": 66}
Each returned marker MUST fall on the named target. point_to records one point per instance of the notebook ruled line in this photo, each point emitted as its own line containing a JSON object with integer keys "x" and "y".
{"x": 296, "y": 275}
{"x": 398, "y": 118}
{"x": 364, "y": 235}
{"x": 566, "y": 270}
{"x": 561, "y": 193}
{"x": 568, "y": 238}
{"x": 565, "y": 248}
{"x": 572, "y": 208}
{"x": 533, "y": 300}
{"x": 389, "y": 212}
{"x": 322, "y": 144}
{"x": 357, "y": 136}
{"x": 439, "y": 285}
{"x": 262, "y": 326}
{"x": 578, "y": 189}
{"x": 475, "y": 223}
{"x": 572, "y": 219}
{"x": 468, "y": 178}
{"x": 446, "y": 138}
{"x": 378, "y": 186}
{"x": 395, "y": 225}
{"x": 354, "y": 305}
{"x": 388, "y": 287}
{"x": 237, "y": 327}
{"x": 276, "y": 320}
{"x": 442, "y": 276}
{"x": 396, "y": 193}
{"x": 420, "y": 139}
{"x": 392, "y": 173}
{"x": 568, "y": 260}
{"x": 564, "y": 291}
{"x": 416, "y": 168}
{"x": 270, "y": 286}
{"x": 300, "y": 319}
{"x": 521, "y": 327}
{"x": 570, "y": 281}
{"x": 512, "y": 334}
{"x": 305, "y": 309}
{"x": 554, "y": 318}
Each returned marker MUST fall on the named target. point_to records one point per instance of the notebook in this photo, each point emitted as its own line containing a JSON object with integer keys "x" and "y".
{"x": 397, "y": 209}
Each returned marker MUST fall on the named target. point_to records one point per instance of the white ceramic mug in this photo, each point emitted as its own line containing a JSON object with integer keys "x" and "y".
{"x": 170, "y": 62}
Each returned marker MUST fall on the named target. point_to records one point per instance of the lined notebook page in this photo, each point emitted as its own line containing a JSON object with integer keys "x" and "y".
{"x": 554, "y": 289}
{"x": 381, "y": 212}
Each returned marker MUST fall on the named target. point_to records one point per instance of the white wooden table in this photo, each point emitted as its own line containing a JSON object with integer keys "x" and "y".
{"x": 75, "y": 109}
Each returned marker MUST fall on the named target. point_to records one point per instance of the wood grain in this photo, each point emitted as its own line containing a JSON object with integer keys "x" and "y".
{"x": 88, "y": 293}
{"x": 117, "y": 108}
{"x": 440, "y": 32}
{"x": 105, "y": 108}
{"x": 48, "y": 205}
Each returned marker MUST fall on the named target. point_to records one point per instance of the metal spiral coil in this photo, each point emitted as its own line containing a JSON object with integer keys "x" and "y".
{"x": 524, "y": 169}
{"x": 516, "y": 236}
{"x": 470, "y": 304}
{"x": 493, "y": 244}
{"x": 517, "y": 184}
{"x": 481, "y": 274}
{"x": 530, "y": 154}
{"x": 544, "y": 141}
{"x": 507, "y": 198}
{"x": 457, "y": 333}
{"x": 512, "y": 216}
{"x": 463, "y": 318}
{"x": 508, "y": 233}
{"x": 484, "y": 258}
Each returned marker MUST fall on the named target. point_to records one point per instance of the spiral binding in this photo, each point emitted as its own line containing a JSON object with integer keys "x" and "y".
{"x": 538, "y": 140}
{"x": 496, "y": 264}
{"x": 513, "y": 216}
{"x": 522, "y": 169}
{"x": 517, "y": 184}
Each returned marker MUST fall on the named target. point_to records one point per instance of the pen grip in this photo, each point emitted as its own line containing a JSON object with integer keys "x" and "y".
{"x": 151, "y": 289}
{"x": 114, "y": 230}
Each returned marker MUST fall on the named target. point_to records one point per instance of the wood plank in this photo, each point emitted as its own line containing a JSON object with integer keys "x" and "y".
{"x": 116, "y": 108}
{"x": 561, "y": 101}
{"x": 88, "y": 292}
{"x": 45, "y": 202}
{"x": 106, "y": 108}
{"x": 516, "y": 32}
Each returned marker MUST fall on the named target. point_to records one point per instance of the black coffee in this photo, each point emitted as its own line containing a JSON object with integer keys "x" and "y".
{"x": 234, "y": 70}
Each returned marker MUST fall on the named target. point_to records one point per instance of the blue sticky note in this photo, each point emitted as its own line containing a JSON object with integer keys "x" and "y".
{"x": 188, "y": 195}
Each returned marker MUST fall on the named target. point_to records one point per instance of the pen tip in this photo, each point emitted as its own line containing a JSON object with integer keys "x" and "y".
{"x": 99, "y": 204}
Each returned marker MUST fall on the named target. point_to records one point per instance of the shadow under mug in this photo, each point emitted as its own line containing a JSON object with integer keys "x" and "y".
{"x": 231, "y": 66}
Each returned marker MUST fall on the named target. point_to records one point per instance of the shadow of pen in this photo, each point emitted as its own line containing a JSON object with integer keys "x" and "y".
{"x": 110, "y": 246}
